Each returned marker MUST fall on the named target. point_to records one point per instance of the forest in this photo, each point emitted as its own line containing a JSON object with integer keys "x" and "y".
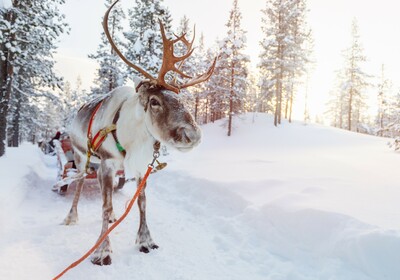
{"x": 35, "y": 101}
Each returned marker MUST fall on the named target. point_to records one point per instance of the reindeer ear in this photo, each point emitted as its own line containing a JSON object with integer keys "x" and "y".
{"x": 138, "y": 83}
{"x": 142, "y": 90}
{"x": 136, "y": 80}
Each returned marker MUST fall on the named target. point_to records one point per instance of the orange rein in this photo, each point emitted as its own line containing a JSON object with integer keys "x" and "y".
{"x": 113, "y": 226}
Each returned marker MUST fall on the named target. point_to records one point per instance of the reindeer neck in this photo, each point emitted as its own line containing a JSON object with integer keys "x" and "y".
{"x": 131, "y": 126}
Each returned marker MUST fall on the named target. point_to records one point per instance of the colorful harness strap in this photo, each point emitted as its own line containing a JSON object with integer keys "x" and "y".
{"x": 93, "y": 144}
{"x": 89, "y": 132}
{"x": 114, "y": 134}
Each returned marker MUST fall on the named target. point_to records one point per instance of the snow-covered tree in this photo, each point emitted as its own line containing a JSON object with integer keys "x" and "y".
{"x": 211, "y": 91}
{"x": 354, "y": 81}
{"x": 300, "y": 53}
{"x": 233, "y": 62}
{"x": 336, "y": 105}
{"x": 144, "y": 38}
{"x": 284, "y": 52}
{"x": 198, "y": 64}
{"x": 111, "y": 71}
{"x": 71, "y": 99}
{"x": 188, "y": 66}
{"x": 251, "y": 101}
{"x": 384, "y": 104}
{"x": 28, "y": 31}
{"x": 347, "y": 106}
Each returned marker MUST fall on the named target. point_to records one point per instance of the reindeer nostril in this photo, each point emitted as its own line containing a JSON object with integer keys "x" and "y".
{"x": 185, "y": 137}
{"x": 180, "y": 135}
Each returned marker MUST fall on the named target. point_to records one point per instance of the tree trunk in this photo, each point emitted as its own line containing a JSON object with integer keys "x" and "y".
{"x": 350, "y": 109}
{"x": 6, "y": 75}
{"x": 3, "y": 105}
{"x": 291, "y": 105}
{"x": 341, "y": 113}
{"x": 287, "y": 107}
{"x": 14, "y": 135}
{"x": 231, "y": 99}
{"x": 276, "y": 104}
{"x": 206, "y": 114}
{"x": 196, "y": 107}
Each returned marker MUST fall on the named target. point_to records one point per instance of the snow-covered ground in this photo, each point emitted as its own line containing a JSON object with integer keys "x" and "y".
{"x": 289, "y": 203}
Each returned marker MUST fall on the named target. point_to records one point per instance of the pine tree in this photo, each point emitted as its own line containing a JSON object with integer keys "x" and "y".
{"x": 354, "y": 81}
{"x": 393, "y": 126}
{"x": 212, "y": 89}
{"x": 284, "y": 52}
{"x": 111, "y": 70}
{"x": 251, "y": 102}
{"x": 28, "y": 31}
{"x": 200, "y": 64}
{"x": 347, "y": 106}
{"x": 233, "y": 64}
{"x": 384, "y": 103}
{"x": 300, "y": 52}
{"x": 188, "y": 66}
{"x": 336, "y": 106}
{"x": 276, "y": 50}
{"x": 144, "y": 39}
{"x": 71, "y": 99}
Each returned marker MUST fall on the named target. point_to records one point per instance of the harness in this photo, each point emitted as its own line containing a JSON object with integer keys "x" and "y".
{"x": 94, "y": 143}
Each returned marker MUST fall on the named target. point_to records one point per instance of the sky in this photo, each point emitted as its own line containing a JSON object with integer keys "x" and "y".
{"x": 330, "y": 21}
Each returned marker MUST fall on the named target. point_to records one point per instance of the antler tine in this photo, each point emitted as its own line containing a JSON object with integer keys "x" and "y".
{"x": 202, "y": 78}
{"x": 179, "y": 38}
{"x": 184, "y": 40}
{"x": 169, "y": 60}
{"x": 168, "y": 45}
{"x": 117, "y": 51}
{"x": 189, "y": 48}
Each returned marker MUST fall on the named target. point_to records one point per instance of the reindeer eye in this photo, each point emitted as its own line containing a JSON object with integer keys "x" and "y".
{"x": 154, "y": 102}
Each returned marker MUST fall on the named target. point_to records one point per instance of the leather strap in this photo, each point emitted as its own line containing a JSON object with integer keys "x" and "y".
{"x": 114, "y": 133}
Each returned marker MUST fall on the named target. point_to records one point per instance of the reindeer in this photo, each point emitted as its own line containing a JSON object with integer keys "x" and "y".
{"x": 138, "y": 119}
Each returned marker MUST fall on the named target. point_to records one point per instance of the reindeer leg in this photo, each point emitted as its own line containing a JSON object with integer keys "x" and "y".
{"x": 143, "y": 238}
{"x": 72, "y": 217}
{"x": 102, "y": 255}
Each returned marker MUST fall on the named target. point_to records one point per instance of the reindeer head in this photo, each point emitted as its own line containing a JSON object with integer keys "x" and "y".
{"x": 166, "y": 117}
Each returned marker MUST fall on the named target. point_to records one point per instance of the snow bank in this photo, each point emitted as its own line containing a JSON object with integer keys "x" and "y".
{"x": 18, "y": 169}
{"x": 290, "y": 203}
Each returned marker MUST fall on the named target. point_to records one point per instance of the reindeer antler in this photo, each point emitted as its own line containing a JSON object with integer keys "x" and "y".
{"x": 168, "y": 62}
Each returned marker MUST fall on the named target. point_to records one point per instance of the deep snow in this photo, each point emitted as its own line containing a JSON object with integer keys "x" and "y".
{"x": 294, "y": 202}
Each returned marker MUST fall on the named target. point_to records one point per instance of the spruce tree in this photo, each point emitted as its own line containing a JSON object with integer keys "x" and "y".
{"x": 28, "y": 31}
{"x": 384, "y": 104}
{"x": 233, "y": 65}
{"x": 393, "y": 126}
{"x": 144, "y": 38}
{"x": 189, "y": 65}
{"x": 284, "y": 52}
{"x": 111, "y": 69}
{"x": 355, "y": 80}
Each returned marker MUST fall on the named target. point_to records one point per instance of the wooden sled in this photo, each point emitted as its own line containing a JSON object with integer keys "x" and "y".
{"x": 68, "y": 175}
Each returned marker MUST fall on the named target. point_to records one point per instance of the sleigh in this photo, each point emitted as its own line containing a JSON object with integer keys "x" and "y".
{"x": 68, "y": 175}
